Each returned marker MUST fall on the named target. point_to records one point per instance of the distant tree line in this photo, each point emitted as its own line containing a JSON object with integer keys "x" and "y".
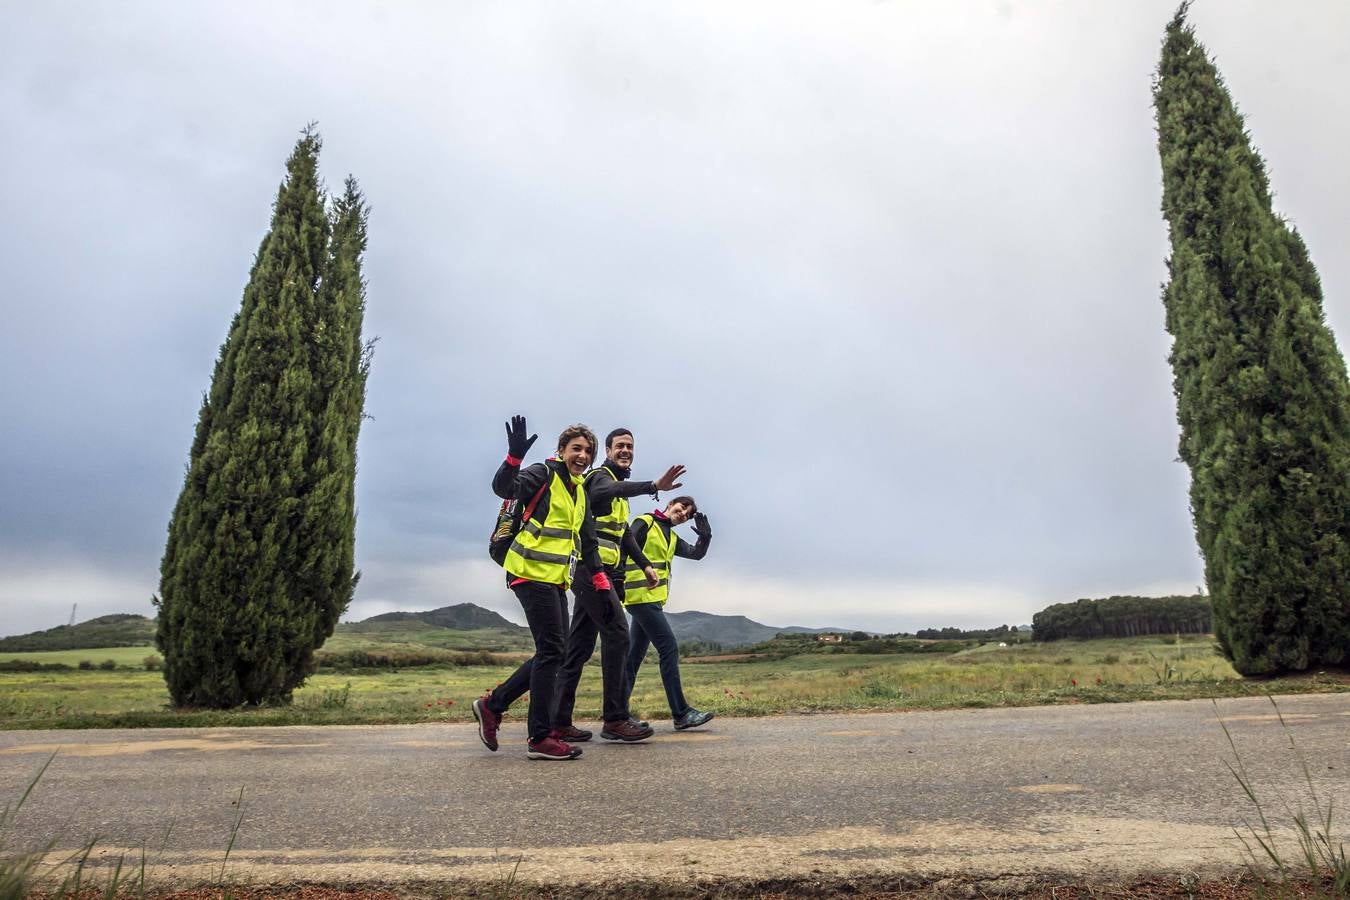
{"x": 700, "y": 647}
{"x": 404, "y": 658}
{"x": 1001, "y": 633}
{"x": 1123, "y": 617}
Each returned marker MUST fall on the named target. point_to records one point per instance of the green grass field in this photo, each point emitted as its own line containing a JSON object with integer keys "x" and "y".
{"x": 987, "y": 676}
{"x": 124, "y": 657}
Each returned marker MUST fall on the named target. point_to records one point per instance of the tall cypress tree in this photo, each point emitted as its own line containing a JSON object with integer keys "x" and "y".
{"x": 1262, "y": 395}
{"x": 340, "y": 363}
{"x": 240, "y": 606}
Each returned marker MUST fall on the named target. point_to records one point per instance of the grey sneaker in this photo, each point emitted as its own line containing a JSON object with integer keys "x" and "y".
{"x": 692, "y": 718}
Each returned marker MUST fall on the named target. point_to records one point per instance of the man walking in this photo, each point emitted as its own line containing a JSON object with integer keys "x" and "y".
{"x": 599, "y": 612}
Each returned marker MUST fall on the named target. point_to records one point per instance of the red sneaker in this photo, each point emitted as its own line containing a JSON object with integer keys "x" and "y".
{"x": 487, "y": 722}
{"x": 551, "y": 748}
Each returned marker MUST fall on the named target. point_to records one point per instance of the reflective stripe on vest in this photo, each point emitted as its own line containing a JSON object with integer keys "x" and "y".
{"x": 660, "y": 552}
{"x": 609, "y": 529}
{"x": 546, "y": 545}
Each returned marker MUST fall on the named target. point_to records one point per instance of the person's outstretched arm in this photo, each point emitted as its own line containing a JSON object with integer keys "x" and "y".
{"x": 511, "y": 481}
{"x": 514, "y": 483}
{"x": 607, "y": 487}
{"x": 699, "y": 550}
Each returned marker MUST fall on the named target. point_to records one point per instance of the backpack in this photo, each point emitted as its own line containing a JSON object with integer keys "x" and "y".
{"x": 510, "y": 519}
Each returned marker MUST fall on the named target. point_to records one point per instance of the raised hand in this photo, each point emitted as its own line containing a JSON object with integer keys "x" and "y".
{"x": 701, "y": 526}
{"x": 671, "y": 480}
{"x": 516, "y": 442}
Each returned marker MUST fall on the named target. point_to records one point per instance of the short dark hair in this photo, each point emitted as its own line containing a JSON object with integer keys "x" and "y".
{"x": 609, "y": 438}
{"x": 687, "y": 501}
{"x": 576, "y": 431}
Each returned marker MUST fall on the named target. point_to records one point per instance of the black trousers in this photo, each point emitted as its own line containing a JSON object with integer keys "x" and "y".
{"x": 596, "y": 613}
{"x": 545, "y": 608}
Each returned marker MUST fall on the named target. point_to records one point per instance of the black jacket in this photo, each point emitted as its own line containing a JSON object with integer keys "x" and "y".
{"x": 514, "y": 483}
{"x": 638, "y": 531}
{"x": 602, "y": 486}
{"x": 610, "y": 481}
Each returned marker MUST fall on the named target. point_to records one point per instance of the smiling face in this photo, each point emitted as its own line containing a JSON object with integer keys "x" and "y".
{"x": 679, "y": 512}
{"x": 576, "y": 455}
{"x": 621, "y": 450}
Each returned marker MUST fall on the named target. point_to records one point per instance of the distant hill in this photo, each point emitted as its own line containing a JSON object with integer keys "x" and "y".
{"x": 127, "y": 630}
{"x": 731, "y": 631}
{"x": 116, "y": 630}
{"x": 461, "y": 617}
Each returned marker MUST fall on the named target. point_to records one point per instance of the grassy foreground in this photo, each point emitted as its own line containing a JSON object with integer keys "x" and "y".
{"x": 1100, "y": 671}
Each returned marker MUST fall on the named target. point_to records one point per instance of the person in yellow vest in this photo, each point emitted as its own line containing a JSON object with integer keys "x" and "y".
{"x": 655, "y": 533}
{"x": 599, "y": 612}
{"x": 539, "y": 567}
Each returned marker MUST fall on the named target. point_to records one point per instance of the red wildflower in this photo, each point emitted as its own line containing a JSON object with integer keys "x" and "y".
{"x": 1073, "y": 681}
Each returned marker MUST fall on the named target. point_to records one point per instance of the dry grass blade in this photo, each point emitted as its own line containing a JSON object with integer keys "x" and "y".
{"x": 234, "y": 833}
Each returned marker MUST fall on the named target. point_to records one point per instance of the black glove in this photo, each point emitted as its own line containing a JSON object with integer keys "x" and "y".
{"x": 701, "y": 526}
{"x": 516, "y": 443}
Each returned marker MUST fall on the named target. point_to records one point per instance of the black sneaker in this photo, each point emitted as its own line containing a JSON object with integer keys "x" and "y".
{"x": 692, "y": 718}
{"x": 572, "y": 734}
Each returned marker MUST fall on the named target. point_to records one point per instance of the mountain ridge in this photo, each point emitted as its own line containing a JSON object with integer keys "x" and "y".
{"x": 133, "y": 630}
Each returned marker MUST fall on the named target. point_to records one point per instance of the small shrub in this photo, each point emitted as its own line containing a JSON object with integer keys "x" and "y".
{"x": 108, "y": 665}
{"x": 336, "y": 698}
{"x": 153, "y": 663}
{"x": 879, "y": 687}
{"x": 87, "y": 664}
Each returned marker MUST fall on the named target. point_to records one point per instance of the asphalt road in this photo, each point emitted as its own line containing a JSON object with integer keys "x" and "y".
{"x": 1102, "y": 791}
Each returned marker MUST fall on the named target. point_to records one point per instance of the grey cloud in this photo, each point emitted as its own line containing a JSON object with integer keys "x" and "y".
{"x": 834, "y": 259}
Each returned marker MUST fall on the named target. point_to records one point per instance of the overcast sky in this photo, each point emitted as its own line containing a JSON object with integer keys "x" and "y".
{"x": 884, "y": 276}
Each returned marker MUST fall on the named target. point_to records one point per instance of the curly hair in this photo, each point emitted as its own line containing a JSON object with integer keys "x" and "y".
{"x": 576, "y": 431}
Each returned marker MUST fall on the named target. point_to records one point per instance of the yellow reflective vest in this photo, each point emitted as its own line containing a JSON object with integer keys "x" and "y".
{"x": 609, "y": 528}
{"x": 547, "y": 546}
{"x": 660, "y": 551}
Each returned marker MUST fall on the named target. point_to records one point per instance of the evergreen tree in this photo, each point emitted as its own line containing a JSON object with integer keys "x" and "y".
{"x": 340, "y": 362}
{"x": 245, "y": 594}
{"x": 1262, "y": 395}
